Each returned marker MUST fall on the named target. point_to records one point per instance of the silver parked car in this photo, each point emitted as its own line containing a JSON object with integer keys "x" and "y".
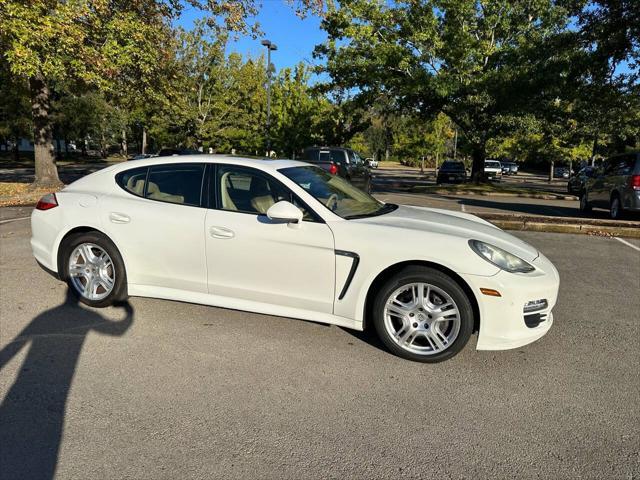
{"x": 615, "y": 186}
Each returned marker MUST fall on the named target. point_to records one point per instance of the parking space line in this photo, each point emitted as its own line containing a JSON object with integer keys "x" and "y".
{"x": 462, "y": 207}
{"x": 13, "y": 220}
{"x": 627, "y": 243}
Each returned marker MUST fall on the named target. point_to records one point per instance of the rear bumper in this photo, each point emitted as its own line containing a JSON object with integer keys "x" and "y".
{"x": 44, "y": 233}
{"x": 631, "y": 201}
{"x": 502, "y": 320}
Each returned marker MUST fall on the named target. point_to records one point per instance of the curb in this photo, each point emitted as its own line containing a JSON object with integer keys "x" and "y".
{"x": 564, "y": 225}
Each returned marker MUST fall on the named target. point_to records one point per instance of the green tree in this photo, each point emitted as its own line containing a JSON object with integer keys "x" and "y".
{"x": 294, "y": 107}
{"x": 482, "y": 63}
{"x": 112, "y": 45}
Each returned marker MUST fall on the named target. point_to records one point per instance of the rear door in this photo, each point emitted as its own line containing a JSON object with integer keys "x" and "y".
{"x": 599, "y": 187}
{"x": 156, "y": 218}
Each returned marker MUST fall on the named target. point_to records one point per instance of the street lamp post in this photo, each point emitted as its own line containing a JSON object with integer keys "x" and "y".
{"x": 270, "y": 47}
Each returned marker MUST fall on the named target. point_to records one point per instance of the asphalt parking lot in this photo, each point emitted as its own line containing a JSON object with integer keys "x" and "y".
{"x": 158, "y": 389}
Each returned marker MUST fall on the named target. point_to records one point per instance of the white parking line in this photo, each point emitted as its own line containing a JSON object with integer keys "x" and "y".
{"x": 462, "y": 207}
{"x": 13, "y": 220}
{"x": 627, "y": 243}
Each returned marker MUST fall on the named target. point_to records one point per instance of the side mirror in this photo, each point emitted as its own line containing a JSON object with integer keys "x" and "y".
{"x": 285, "y": 212}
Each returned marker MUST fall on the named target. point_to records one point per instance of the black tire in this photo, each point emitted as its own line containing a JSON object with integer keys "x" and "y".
{"x": 119, "y": 290}
{"x": 419, "y": 274}
{"x": 616, "y": 211}
{"x": 585, "y": 206}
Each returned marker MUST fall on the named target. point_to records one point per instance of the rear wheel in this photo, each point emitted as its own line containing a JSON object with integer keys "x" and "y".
{"x": 615, "y": 207}
{"x": 422, "y": 314}
{"x": 93, "y": 269}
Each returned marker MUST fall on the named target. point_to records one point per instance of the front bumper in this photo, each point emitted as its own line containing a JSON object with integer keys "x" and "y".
{"x": 502, "y": 319}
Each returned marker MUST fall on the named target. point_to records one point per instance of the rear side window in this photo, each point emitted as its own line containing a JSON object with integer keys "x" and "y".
{"x": 176, "y": 183}
{"x": 625, "y": 164}
{"x": 133, "y": 181}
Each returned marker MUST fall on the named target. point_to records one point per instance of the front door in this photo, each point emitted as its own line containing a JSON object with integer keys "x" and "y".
{"x": 253, "y": 258}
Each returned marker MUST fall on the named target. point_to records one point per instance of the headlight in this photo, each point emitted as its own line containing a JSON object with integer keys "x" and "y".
{"x": 500, "y": 258}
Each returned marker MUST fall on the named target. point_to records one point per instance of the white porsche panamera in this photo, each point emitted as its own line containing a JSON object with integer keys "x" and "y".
{"x": 285, "y": 238}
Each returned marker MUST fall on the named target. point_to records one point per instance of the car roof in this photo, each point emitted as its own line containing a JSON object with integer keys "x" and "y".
{"x": 262, "y": 164}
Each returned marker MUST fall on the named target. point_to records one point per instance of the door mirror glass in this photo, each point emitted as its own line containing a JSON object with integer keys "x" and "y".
{"x": 284, "y": 211}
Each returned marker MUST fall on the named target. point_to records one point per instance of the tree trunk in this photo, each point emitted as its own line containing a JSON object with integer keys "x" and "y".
{"x": 66, "y": 146}
{"x": 477, "y": 168}
{"x": 144, "y": 141}
{"x": 551, "y": 170}
{"x": 124, "y": 150}
{"x": 46, "y": 171}
{"x": 593, "y": 150}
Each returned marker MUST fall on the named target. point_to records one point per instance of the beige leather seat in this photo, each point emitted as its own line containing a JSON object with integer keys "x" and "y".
{"x": 154, "y": 193}
{"x": 261, "y": 197}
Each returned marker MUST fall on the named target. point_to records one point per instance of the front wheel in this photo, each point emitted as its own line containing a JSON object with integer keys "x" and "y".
{"x": 585, "y": 206}
{"x": 422, "y": 314}
{"x": 93, "y": 269}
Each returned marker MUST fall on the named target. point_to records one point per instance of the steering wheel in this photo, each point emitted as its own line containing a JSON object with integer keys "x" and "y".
{"x": 332, "y": 198}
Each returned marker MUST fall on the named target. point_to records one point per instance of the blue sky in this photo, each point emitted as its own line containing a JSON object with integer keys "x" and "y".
{"x": 294, "y": 36}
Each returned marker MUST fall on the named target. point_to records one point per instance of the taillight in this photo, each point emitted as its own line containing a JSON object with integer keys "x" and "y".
{"x": 47, "y": 202}
{"x": 333, "y": 169}
{"x": 634, "y": 182}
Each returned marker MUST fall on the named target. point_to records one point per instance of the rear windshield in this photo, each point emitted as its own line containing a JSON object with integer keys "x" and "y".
{"x": 453, "y": 166}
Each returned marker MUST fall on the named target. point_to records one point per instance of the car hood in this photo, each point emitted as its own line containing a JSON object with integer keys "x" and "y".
{"x": 445, "y": 222}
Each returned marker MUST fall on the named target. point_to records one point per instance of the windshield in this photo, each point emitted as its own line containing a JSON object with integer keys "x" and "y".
{"x": 492, "y": 164}
{"x": 336, "y": 193}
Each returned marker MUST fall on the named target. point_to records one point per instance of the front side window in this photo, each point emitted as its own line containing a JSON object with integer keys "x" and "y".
{"x": 180, "y": 183}
{"x": 248, "y": 190}
{"x": 336, "y": 193}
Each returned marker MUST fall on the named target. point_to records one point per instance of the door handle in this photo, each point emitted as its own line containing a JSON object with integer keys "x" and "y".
{"x": 221, "y": 232}
{"x": 117, "y": 217}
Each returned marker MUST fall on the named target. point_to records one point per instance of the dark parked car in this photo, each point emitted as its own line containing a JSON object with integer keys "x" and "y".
{"x": 451, "y": 172}
{"x": 341, "y": 161}
{"x": 615, "y": 186}
{"x": 577, "y": 181}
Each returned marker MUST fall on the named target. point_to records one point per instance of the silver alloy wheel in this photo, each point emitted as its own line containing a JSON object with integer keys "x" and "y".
{"x": 91, "y": 271}
{"x": 422, "y": 318}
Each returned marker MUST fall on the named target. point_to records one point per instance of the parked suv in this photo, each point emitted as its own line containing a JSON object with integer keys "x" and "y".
{"x": 341, "y": 161}
{"x": 615, "y": 186}
{"x": 453, "y": 172}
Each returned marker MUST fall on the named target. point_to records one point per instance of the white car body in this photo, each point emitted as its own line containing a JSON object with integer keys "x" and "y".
{"x": 493, "y": 168}
{"x": 235, "y": 260}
